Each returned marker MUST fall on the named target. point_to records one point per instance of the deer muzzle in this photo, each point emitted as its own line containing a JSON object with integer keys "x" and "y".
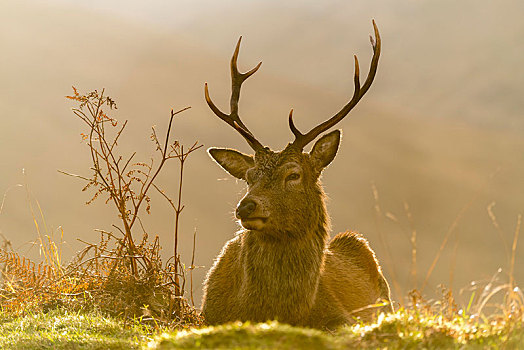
{"x": 245, "y": 208}
{"x": 248, "y": 213}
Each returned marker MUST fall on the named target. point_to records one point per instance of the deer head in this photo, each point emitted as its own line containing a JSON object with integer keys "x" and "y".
{"x": 284, "y": 197}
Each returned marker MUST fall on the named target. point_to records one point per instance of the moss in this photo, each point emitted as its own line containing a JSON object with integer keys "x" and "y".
{"x": 271, "y": 335}
{"x": 403, "y": 330}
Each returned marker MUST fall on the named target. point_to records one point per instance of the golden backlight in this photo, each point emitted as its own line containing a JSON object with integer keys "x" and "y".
{"x": 436, "y": 146}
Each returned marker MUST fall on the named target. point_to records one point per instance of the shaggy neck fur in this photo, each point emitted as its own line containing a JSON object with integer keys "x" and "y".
{"x": 281, "y": 277}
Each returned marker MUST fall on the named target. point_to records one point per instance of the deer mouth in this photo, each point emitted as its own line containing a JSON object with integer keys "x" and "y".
{"x": 254, "y": 223}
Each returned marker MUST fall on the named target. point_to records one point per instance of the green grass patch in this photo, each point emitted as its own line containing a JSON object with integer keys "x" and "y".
{"x": 406, "y": 329}
{"x": 402, "y": 330}
{"x": 59, "y": 329}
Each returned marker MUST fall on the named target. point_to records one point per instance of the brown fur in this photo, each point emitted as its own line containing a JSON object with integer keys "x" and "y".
{"x": 282, "y": 266}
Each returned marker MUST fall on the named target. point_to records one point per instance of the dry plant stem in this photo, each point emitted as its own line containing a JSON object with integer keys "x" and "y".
{"x": 116, "y": 195}
{"x": 452, "y": 228}
{"x": 513, "y": 256}
{"x": 165, "y": 157}
{"x": 5, "y": 196}
{"x": 485, "y": 292}
{"x": 109, "y": 175}
{"x": 97, "y": 134}
{"x": 453, "y": 262}
{"x": 181, "y": 155}
{"x": 48, "y": 248}
{"x": 413, "y": 241}
{"x": 120, "y": 278}
{"x": 6, "y": 243}
{"x": 495, "y": 223}
{"x": 178, "y": 210}
{"x": 379, "y": 215}
{"x": 484, "y": 301}
{"x": 6, "y": 247}
{"x": 445, "y": 241}
{"x": 192, "y": 267}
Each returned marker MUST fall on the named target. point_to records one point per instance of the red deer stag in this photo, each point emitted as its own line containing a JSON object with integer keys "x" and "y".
{"x": 281, "y": 265}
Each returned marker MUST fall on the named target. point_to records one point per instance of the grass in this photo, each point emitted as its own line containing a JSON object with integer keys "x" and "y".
{"x": 402, "y": 330}
{"x": 405, "y": 329}
{"x": 60, "y": 329}
{"x": 146, "y": 297}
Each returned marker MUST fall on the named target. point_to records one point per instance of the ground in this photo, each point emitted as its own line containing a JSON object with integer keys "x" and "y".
{"x": 406, "y": 329}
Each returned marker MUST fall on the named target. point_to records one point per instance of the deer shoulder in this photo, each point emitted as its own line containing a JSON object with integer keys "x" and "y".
{"x": 222, "y": 284}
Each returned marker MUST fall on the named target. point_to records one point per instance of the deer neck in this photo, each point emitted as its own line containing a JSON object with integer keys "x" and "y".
{"x": 297, "y": 256}
{"x": 281, "y": 276}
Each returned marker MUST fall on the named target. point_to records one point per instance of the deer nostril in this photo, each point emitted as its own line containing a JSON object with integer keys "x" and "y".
{"x": 246, "y": 208}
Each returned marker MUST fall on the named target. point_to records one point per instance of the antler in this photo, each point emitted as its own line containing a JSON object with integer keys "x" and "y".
{"x": 233, "y": 118}
{"x": 301, "y": 140}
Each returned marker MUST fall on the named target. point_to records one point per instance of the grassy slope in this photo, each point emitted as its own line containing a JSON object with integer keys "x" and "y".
{"x": 399, "y": 331}
{"x": 405, "y": 329}
{"x": 66, "y": 330}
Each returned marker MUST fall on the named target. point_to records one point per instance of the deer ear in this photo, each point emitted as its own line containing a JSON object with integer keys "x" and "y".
{"x": 232, "y": 161}
{"x": 325, "y": 149}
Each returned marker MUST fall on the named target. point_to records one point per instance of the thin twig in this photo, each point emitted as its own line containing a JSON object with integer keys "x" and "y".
{"x": 192, "y": 267}
{"x": 452, "y": 228}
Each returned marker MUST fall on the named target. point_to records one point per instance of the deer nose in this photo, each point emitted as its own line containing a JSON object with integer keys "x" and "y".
{"x": 245, "y": 208}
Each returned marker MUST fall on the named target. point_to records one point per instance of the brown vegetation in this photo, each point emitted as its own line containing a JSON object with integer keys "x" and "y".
{"x": 121, "y": 275}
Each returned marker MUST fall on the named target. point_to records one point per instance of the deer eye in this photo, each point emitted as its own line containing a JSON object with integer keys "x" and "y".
{"x": 291, "y": 177}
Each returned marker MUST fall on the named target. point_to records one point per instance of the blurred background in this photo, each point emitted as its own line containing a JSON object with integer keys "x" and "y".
{"x": 437, "y": 141}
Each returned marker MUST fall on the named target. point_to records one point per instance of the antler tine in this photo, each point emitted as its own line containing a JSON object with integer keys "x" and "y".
{"x": 233, "y": 119}
{"x": 292, "y": 126}
{"x": 301, "y": 140}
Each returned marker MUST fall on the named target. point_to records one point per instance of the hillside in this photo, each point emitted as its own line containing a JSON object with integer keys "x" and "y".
{"x": 442, "y": 117}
